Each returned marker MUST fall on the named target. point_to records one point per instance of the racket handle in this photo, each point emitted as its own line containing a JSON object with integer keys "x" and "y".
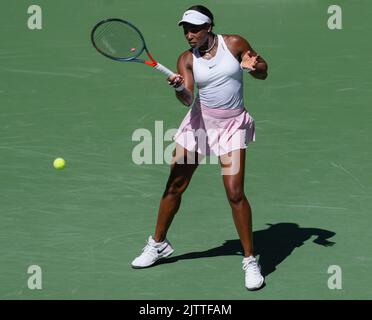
{"x": 168, "y": 73}
{"x": 164, "y": 70}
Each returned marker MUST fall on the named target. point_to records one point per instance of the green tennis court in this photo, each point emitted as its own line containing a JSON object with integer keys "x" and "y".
{"x": 308, "y": 175}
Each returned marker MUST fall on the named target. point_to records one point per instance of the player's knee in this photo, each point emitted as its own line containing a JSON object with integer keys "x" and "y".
{"x": 235, "y": 196}
{"x": 177, "y": 186}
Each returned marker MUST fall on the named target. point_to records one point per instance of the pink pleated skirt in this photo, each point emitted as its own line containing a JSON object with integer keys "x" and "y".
{"x": 215, "y": 131}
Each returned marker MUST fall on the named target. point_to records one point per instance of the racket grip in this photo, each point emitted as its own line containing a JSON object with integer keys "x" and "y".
{"x": 164, "y": 70}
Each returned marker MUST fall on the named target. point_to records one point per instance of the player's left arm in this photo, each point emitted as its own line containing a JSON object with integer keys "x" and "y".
{"x": 247, "y": 56}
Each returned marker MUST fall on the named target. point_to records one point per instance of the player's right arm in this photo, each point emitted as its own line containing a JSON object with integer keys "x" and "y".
{"x": 185, "y": 76}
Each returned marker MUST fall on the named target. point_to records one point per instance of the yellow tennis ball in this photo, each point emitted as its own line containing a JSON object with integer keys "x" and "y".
{"x": 59, "y": 163}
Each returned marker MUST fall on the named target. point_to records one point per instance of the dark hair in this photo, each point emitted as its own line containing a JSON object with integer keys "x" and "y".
{"x": 203, "y": 10}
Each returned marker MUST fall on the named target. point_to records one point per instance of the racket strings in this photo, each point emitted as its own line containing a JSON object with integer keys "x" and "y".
{"x": 99, "y": 38}
{"x": 100, "y": 32}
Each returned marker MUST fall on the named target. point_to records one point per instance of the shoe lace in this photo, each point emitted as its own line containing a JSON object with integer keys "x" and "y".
{"x": 151, "y": 250}
{"x": 252, "y": 266}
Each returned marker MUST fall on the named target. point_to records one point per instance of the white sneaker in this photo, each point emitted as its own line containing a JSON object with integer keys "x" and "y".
{"x": 253, "y": 278}
{"x": 152, "y": 252}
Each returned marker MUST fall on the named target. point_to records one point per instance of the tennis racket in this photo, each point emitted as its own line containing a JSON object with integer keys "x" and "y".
{"x": 120, "y": 40}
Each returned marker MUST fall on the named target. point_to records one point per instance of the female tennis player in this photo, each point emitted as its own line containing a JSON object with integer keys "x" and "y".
{"x": 217, "y": 124}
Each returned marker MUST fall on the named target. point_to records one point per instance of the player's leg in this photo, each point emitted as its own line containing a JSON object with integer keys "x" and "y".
{"x": 233, "y": 166}
{"x": 233, "y": 178}
{"x": 184, "y": 164}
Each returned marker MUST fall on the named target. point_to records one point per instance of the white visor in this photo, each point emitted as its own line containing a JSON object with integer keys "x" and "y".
{"x": 195, "y": 17}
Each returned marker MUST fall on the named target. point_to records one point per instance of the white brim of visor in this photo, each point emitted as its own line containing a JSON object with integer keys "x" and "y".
{"x": 194, "y": 17}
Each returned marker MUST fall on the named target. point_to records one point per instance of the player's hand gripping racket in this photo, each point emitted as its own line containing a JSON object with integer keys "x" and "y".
{"x": 120, "y": 40}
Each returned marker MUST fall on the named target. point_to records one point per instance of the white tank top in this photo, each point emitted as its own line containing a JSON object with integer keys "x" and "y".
{"x": 220, "y": 79}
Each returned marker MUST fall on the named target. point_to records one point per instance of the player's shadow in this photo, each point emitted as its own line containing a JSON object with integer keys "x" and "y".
{"x": 273, "y": 245}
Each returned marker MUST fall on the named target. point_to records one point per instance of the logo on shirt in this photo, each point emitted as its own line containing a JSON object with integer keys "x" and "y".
{"x": 210, "y": 67}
